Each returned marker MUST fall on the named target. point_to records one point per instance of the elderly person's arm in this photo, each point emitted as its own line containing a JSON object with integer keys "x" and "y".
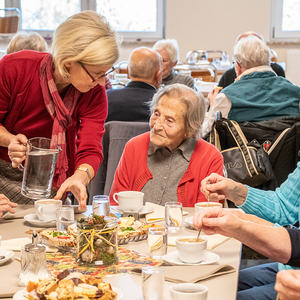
{"x": 288, "y": 284}
{"x": 6, "y": 205}
{"x": 273, "y": 242}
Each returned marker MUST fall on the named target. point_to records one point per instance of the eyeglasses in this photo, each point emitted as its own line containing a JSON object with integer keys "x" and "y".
{"x": 101, "y": 76}
{"x": 238, "y": 64}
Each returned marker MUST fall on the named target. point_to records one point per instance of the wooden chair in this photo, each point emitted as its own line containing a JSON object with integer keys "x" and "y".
{"x": 10, "y": 22}
{"x": 273, "y": 55}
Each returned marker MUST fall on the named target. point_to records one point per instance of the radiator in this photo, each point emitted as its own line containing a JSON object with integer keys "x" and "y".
{"x": 292, "y": 71}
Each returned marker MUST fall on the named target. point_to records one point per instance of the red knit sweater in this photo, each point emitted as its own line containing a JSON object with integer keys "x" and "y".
{"x": 132, "y": 172}
{"x": 22, "y": 110}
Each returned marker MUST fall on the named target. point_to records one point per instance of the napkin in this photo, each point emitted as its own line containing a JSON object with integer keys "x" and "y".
{"x": 16, "y": 244}
{"x": 158, "y": 214}
{"x": 191, "y": 274}
{"x": 20, "y": 212}
{"x": 213, "y": 241}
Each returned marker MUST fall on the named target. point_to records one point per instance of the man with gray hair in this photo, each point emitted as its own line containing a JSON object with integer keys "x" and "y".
{"x": 130, "y": 102}
{"x": 169, "y": 51}
{"x": 258, "y": 94}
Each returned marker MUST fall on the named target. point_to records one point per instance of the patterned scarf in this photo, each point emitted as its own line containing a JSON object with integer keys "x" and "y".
{"x": 61, "y": 112}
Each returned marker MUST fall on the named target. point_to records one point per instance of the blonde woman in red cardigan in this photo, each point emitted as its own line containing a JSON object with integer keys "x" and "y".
{"x": 169, "y": 162}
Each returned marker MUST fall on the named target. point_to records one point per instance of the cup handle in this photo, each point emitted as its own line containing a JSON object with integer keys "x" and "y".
{"x": 115, "y": 198}
{"x": 40, "y": 210}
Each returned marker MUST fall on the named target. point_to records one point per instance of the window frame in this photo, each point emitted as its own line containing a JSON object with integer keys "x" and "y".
{"x": 277, "y": 34}
{"x": 136, "y": 36}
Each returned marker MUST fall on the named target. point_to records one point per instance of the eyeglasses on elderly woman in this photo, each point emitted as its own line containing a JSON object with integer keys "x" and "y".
{"x": 99, "y": 77}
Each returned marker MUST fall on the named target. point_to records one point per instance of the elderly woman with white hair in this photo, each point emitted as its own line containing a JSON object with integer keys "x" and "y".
{"x": 169, "y": 51}
{"x": 59, "y": 96}
{"x": 169, "y": 162}
{"x": 258, "y": 93}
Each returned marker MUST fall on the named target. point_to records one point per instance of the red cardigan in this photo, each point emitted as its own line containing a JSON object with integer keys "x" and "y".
{"x": 132, "y": 172}
{"x": 22, "y": 110}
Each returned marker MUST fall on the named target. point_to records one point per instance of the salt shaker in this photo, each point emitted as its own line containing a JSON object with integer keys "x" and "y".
{"x": 33, "y": 260}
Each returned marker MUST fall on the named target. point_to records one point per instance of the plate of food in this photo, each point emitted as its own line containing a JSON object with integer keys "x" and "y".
{"x": 74, "y": 285}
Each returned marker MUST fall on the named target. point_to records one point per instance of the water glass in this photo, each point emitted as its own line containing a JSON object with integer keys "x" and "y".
{"x": 64, "y": 217}
{"x": 157, "y": 242}
{"x": 173, "y": 215}
{"x": 153, "y": 280}
{"x": 101, "y": 205}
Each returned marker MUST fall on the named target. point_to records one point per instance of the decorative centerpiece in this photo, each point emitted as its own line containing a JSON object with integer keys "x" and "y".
{"x": 97, "y": 240}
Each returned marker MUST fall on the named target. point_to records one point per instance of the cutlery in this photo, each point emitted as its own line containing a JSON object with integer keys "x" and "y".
{"x": 198, "y": 234}
{"x": 2, "y": 257}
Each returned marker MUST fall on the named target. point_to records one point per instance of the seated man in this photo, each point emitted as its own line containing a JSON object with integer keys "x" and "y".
{"x": 258, "y": 93}
{"x": 230, "y": 75}
{"x": 130, "y": 102}
{"x": 169, "y": 162}
{"x": 169, "y": 51}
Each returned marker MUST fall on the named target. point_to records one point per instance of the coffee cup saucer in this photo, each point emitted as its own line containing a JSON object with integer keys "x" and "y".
{"x": 34, "y": 220}
{"x": 143, "y": 211}
{"x": 209, "y": 258}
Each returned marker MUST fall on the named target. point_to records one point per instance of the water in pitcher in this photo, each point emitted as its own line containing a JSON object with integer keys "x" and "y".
{"x": 38, "y": 174}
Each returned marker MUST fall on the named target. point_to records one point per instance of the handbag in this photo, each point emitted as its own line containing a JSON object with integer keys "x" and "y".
{"x": 245, "y": 162}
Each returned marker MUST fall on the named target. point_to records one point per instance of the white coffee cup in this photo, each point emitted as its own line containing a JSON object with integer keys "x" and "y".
{"x": 46, "y": 209}
{"x": 207, "y": 205}
{"x": 188, "y": 291}
{"x": 190, "y": 251}
{"x": 129, "y": 201}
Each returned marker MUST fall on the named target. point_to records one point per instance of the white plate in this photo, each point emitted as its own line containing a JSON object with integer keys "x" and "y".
{"x": 189, "y": 221}
{"x": 20, "y": 294}
{"x": 8, "y": 255}
{"x": 209, "y": 258}
{"x": 34, "y": 220}
{"x": 144, "y": 210}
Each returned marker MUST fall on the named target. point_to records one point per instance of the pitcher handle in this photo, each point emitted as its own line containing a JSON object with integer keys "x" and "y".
{"x": 115, "y": 198}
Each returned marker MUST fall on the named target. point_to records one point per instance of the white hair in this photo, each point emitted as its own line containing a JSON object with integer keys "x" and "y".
{"x": 171, "y": 46}
{"x": 251, "y": 52}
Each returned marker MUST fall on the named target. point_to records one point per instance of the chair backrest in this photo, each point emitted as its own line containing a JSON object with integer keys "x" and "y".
{"x": 10, "y": 22}
{"x": 116, "y": 135}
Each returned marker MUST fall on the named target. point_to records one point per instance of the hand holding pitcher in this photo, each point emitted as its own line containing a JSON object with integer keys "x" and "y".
{"x": 17, "y": 149}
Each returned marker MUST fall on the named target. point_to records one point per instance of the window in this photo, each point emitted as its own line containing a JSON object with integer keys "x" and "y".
{"x": 285, "y": 20}
{"x": 133, "y": 19}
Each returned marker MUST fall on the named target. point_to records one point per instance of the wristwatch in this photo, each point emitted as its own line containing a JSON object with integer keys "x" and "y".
{"x": 87, "y": 172}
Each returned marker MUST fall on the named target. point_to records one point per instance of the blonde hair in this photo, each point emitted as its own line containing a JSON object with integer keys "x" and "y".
{"x": 85, "y": 37}
{"x": 27, "y": 41}
{"x": 194, "y": 102}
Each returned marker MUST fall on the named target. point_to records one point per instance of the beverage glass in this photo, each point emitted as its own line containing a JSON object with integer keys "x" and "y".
{"x": 39, "y": 167}
{"x": 46, "y": 209}
{"x": 173, "y": 215}
{"x": 188, "y": 291}
{"x": 101, "y": 205}
{"x": 64, "y": 217}
{"x": 153, "y": 280}
{"x": 157, "y": 242}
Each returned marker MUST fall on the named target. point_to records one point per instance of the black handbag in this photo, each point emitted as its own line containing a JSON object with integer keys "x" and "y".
{"x": 245, "y": 162}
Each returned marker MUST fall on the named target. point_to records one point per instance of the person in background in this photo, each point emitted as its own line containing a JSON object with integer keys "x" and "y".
{"x": 258, "y": 94}
{"x": 169, "y": 51}
{"x": 230, "y": 75}
{"x": 27, "y": 41}
{"x": 65, "y": 101}
{"x": 288, "y": 285}
{"x": 131, "y": 102}
{"x": 169, "y": 162}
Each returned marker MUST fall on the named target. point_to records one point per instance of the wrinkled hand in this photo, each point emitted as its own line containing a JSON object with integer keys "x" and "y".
{"x": 212, "y": 96}
{"x": 217, "y": 220}
{"x": 17, "y": 149}
{"x": 6, "y": 205}
{"x": 288, "y": 284}
{"x": 75, "y": 185}
{"x": 215, "y": 188}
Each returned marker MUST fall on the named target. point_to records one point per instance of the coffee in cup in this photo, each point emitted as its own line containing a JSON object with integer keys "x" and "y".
{"x": 207, "y": 205}
{"x": 190, "y": 250}
{"x": 129, "y": 201}
{"x": 46, "y": 209}
{"x": 188, "y": 291}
